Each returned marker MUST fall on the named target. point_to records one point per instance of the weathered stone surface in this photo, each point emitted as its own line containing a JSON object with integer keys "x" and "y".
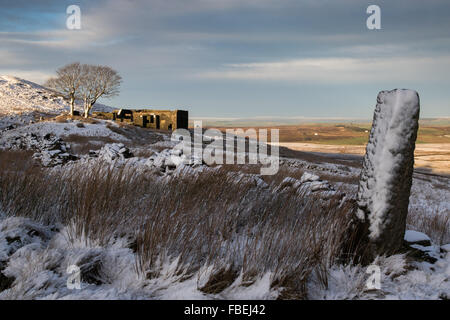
{"x": 386, "y": 177}
{"x": 50, "y": 150}
{"x": 111, "y": 152}
{"x": 169, "y": 159}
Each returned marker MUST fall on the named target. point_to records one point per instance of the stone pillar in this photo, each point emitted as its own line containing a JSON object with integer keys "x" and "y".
{"x": 386, "y": 177}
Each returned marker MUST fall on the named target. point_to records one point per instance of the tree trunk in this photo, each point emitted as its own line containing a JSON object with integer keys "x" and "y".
{"x": 72, "y": 106}
{"x": 87, "y": 108}
{"x": 386, "y": 177}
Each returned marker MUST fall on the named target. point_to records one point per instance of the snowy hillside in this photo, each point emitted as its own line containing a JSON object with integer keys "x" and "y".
{"x": 22, "y": 96}
{"x": 19, "y": 96}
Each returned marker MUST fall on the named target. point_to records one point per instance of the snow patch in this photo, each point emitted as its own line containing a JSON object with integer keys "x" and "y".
{"x": 415, "y": 236}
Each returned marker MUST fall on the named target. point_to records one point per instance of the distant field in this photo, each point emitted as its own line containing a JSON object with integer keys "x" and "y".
{"x": 348, "y": 134}
{"x": 432, "y": 150}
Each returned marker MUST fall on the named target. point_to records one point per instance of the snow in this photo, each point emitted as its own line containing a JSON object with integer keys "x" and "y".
{"x": 37, "y": 255}
{"x": 113, "y": 151}
{"x": 19, "y": 97}
{"x": 400, "y": 280}
{"x": 169, "y": 159}
{"x": 39, "y": 265}
{"x": 260, "y": 289}
{"x": 309, "y": 177}
{"x": 60, "y": 130}
{"x": 415, "y": 236}
{"x": 40, "y": 258}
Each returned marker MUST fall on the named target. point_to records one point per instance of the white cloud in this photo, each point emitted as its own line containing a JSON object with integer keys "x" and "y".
{"x": 337, "y": 70}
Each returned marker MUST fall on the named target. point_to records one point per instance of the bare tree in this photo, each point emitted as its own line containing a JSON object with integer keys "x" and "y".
{"x": 97, "y": 82}
{"x": 67, "y": 82}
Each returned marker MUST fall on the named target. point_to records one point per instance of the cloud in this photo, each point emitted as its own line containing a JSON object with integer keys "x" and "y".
{"x": 337, "y": 70}
{"x": 10, "y": 58}
{"x": 176, "y": 47}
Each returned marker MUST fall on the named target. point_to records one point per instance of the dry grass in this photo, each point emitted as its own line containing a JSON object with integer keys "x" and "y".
{"x": 350, "y": 179}
{"x": 142, "y": 153}
{"x": 62, "y": 118}
{"x": 219, "y": 218}
{"x": 209, "y": 219}
{"x": 436, "y": 226}
{"x": 137, "y": 136}
{"x": 18, "y": 160}
{"x": 321, "y": 133}
{"x": 83, "y": 144}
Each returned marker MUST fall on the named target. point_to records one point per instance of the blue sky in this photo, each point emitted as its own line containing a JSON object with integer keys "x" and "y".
{"x": 241, "y": 58}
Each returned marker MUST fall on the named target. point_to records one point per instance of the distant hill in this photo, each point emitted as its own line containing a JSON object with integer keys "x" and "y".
{"x": 260, "y": 121}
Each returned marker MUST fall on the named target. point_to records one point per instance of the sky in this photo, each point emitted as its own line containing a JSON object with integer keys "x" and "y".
{"x": 240, "y": 58}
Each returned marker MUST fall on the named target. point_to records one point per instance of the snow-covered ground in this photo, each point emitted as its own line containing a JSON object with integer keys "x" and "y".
{"x": 35, "y": 256}
{"x": 62, "y": 130}
{"x": 22, "y": 101}
{"x": 38, "y": 262}
{"x": 21, "y": 96}
{"x": 38, "y": 258}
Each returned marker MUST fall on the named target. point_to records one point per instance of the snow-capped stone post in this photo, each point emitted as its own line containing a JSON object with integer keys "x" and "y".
{"x": 386, "y": 177}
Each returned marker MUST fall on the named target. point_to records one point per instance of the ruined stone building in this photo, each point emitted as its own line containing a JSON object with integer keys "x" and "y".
{"x": 146, "y": 118}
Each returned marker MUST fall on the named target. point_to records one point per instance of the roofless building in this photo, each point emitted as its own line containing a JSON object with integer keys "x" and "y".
{"x": 148, "y": 118}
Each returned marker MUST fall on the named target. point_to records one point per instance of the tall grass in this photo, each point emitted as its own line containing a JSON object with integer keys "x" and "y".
{"x": 219, "y": 218}
{"x": 437, "y": 226}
